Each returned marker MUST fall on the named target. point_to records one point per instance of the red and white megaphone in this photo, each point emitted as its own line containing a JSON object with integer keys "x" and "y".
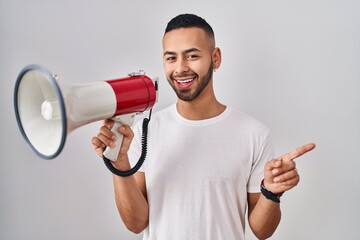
{"x": 47, "y": 111}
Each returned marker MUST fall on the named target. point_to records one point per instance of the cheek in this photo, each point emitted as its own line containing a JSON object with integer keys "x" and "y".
{"x": 198, "y": 66}
{"x": 167, "y": 69}
{"x": 201, "y": 68}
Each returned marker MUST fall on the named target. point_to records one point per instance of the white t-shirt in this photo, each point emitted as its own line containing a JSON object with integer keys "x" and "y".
{"x": 198, "y": 173}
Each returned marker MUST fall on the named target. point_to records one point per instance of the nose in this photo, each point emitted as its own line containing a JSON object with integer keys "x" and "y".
{"x": 181, "y": 66}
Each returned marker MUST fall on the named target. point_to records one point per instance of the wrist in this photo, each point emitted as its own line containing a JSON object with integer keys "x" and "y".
{"x": 275, "y": 197}
{"x": 120, "y": 168}
{"x": 121, "y": 165}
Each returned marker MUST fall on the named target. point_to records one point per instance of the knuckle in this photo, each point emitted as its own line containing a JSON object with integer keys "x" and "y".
{"x": 291, "y": 166}
{"x": 104, "y": 129}
{"x": 131, "y": 135}
{"x": 104, "y": 140}
{"x": 95, "y": 141}
{"x": 99, "y": 135}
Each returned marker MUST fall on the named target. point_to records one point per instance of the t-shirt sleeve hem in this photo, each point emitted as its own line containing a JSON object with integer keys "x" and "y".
{"x": 254, "y": 189}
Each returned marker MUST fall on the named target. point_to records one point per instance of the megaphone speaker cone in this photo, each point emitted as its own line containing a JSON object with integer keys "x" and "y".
{"x": 40, "y": 111}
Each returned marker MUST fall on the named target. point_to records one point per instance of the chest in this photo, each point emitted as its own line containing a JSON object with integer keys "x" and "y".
{"x": 189, "y": 156}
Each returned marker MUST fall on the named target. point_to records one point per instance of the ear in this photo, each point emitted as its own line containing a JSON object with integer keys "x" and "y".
{"x": 216, "y": 58}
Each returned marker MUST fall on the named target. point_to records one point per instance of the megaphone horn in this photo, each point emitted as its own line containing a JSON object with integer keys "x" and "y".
{"x": 47, "y": 111}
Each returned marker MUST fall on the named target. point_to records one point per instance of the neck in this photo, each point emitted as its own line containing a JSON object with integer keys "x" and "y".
{"x": 205, "y": 106}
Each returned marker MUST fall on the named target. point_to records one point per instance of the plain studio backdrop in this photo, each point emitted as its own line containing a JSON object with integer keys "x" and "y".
{"x": 295, "y": 65}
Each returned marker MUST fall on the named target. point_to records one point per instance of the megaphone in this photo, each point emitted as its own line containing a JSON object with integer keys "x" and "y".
{"x": 47, "y": 111}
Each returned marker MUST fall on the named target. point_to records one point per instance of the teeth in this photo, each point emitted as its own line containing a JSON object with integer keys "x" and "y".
{"x": 184, "y": 81}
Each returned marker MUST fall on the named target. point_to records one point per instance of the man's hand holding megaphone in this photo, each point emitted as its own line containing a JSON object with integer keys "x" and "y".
{"x": 107, "y": 138}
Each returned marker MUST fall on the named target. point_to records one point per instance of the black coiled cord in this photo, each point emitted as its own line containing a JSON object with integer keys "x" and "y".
{"x": 141, "y": 160}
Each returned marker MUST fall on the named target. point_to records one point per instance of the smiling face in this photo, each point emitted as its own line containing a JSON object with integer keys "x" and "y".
{"x": 189, "y": 58}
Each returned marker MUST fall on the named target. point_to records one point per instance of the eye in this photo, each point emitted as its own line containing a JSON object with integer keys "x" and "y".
{"x": 170, "y": 59}
{"x": 192, "y": 56}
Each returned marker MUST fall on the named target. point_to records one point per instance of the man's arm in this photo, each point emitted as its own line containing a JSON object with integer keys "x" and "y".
{"x": 280, "y": 175}
{"x": 264, "y": 215}
{"x": 130, "y": 192}
{"x": 131, "y": 201}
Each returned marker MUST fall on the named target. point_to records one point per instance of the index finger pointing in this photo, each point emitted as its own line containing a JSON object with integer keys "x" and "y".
{"x": 298, "y": 152}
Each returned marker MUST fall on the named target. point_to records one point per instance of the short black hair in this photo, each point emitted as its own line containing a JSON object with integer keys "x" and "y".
{"x": 189, "y": 20}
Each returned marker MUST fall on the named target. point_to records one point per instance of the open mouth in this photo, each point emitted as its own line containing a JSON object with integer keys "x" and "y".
{"x": 184, "y": 81}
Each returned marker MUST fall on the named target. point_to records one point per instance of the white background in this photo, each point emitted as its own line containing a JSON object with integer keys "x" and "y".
{"x": 293, "y": 64}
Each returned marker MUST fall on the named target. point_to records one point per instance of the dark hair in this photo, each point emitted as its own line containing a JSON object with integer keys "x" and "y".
{"x": 189, "y": 20}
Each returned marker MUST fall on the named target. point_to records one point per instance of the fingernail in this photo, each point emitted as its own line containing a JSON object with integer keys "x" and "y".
{"x": 114, "y": 138}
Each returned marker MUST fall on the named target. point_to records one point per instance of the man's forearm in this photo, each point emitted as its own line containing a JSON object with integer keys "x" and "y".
{"x": 264, "y": 218}
{"x": 130, "y": 201}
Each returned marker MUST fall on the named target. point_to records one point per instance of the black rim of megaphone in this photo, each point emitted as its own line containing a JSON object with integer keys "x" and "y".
{"x": 62, "y": 108}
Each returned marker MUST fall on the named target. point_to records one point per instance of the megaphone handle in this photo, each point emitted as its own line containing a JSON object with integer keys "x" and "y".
{"x": 126, "y": 119}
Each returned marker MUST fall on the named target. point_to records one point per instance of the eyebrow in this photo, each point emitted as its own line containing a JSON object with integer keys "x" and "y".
{"x": 186, "y": 51}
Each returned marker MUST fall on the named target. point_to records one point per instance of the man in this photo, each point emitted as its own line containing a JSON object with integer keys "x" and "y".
{"x": 206, "y": 161}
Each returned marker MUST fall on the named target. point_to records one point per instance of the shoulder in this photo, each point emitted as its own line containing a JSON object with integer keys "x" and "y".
{"x": 246, "y": 121}
{"x": 161, "y": 115}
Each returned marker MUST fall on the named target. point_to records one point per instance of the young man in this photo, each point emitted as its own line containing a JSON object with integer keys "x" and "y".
{"x": 206, "y": 161}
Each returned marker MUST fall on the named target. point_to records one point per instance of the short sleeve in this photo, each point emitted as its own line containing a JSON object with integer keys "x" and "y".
{"x": 263, "y": 154}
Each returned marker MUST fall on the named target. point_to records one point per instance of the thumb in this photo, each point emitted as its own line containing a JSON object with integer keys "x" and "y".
{"x": 128, "y": 136}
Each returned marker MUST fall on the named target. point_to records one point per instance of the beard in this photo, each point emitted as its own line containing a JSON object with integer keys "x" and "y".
{"x": 189, "y": 94}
